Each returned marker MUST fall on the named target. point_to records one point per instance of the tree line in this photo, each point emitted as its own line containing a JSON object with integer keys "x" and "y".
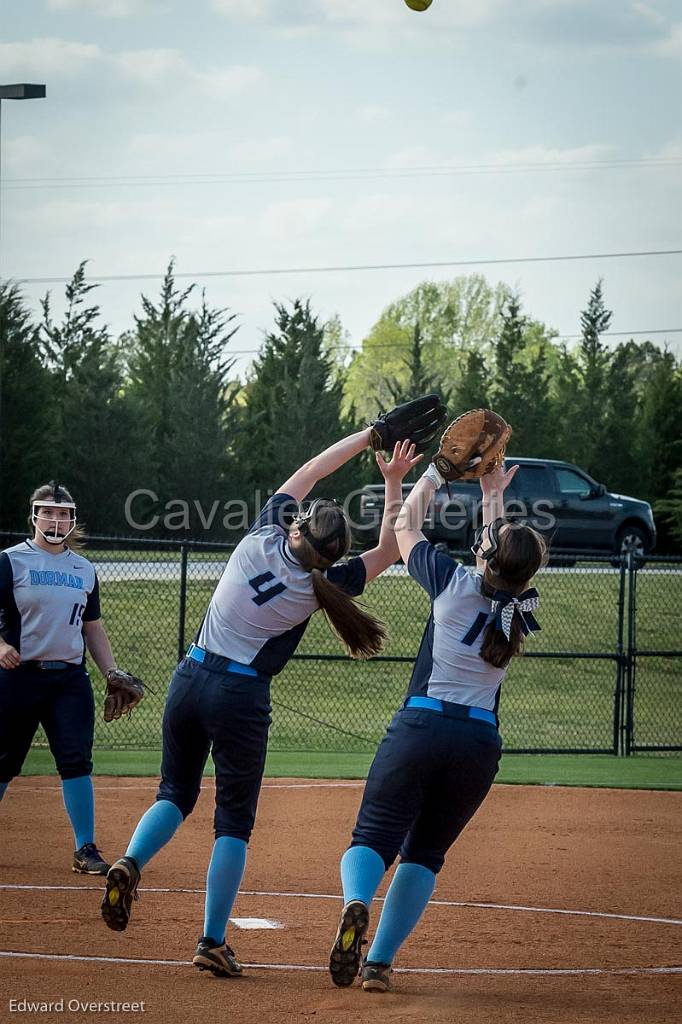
{"x": 159, "y": 412}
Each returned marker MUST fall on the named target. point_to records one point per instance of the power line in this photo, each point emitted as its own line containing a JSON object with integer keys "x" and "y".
{"x": 359, "y": 267}
{"x": 347, "y": 174}
{"x": 407, "y": 344}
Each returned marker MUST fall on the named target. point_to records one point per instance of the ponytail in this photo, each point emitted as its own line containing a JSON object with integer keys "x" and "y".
{"x": 324, "y": 537}
{"x": 496, "y": 649}
{"x": 521, "y": 552}
{"x": 361, "y": 632}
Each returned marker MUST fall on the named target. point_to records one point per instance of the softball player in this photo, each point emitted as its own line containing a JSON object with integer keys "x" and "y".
{"x": 49, "y": 611}
{"x": 440, "y": 754}
{"x": 218, "y": 697}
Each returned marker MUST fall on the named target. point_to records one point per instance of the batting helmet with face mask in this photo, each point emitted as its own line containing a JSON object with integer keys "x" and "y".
{"x": 61, "y": 499}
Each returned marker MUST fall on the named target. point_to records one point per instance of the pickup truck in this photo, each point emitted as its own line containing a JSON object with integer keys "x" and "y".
{"x": 573, "y": 511}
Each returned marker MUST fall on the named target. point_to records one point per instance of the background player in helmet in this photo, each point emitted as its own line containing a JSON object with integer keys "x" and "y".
{"x": 49, "y": 612}
{"x": 439, "y": 757}
{"x": 218, "y": 697}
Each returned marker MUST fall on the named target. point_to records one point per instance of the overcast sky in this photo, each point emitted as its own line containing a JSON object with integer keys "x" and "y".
{"x": 576, "y": 103}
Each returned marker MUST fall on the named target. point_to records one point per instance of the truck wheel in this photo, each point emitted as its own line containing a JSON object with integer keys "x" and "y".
{"x": 631, "y": 538}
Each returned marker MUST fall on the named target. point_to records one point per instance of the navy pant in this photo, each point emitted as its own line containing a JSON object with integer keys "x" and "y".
{"x": 229, "y": 715}
{"x": 62, "y": 702}
{"x": 429, "y": 776}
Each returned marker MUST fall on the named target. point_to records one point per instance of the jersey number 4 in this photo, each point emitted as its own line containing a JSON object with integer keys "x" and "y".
{"x": 263, "y": 596}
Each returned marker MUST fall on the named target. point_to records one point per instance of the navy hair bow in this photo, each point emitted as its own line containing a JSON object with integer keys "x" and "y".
{"x": 505, "y": 606}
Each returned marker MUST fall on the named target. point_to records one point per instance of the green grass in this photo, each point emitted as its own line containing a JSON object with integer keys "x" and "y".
{"x": 528, "y": 769}
{"x": 546, "y": 703}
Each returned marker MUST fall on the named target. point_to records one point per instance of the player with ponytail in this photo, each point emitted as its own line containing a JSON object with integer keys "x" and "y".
{"x": 279, "y": 575}
{"x": 440, "y": 754}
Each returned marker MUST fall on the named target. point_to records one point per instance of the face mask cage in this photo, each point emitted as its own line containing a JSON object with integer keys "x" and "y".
{"x": 491, "y": 534}
{"x": 53, "y": 535}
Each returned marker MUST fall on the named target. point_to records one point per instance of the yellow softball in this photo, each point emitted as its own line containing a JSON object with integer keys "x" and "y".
{"x": 418, "y": 5}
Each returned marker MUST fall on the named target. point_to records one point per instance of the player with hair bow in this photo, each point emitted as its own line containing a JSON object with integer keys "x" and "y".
{"x": 440, "y": 754}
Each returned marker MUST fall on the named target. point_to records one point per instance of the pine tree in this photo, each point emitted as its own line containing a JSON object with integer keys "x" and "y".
{"x": 593, "y": 361}
{"x": 470, "y": 389}
{"x": 91, "y": 442}
{"x": 292, "y": 403}
{"x": 520, "y": 389}
{"x": 181, "y": 386}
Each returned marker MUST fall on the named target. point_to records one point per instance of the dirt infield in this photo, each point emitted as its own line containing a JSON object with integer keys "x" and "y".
{"x": 583, "y": 923}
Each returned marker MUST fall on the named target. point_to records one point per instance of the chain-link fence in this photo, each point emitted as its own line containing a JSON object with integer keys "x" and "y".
{"x": 604, "y": 675}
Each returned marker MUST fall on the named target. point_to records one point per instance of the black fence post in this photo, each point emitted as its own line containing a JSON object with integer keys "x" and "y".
{"x": 631, "y": 653}
{"x": 183, "y": 601}
{"x": 621, "y": 662}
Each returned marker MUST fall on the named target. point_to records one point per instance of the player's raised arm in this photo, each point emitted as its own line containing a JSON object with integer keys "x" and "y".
{"x": 493, "y": 486}
{"x": 416, "y": 421}
{"x": 301, "y": 483}
{"x": 394, "y": 472}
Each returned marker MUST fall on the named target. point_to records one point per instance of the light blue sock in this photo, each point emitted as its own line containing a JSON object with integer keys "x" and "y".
{"x": 156, "y": 827}
{"x": 361, "y": 872}
{"x": 406, "y": 900}
{"x": 222, "y": 884}
{"x": 3, "y": 789}
{"x": 79, "y": 801}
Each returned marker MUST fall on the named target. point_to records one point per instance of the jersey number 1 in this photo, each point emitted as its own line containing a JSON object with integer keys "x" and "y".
{"x": 262, "y": 596}
{"x": 76, "y": 614}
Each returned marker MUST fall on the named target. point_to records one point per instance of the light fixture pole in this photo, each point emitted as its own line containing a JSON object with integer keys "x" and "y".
{"x": 21, "y": 91}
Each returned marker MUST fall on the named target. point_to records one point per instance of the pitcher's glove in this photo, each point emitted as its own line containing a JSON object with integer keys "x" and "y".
{"x": 473, "y": 445}
{"x": 417, "y": 421}
{"x": 124, "y": 692}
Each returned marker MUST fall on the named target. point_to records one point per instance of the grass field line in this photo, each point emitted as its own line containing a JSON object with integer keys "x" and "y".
{"x": 551, "y": 971}
{"x": 332, "y": 896}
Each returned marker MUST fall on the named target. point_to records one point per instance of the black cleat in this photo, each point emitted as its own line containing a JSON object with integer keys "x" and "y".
{"x": 123, "y": 879}
{"x": 89, "y": 861}
{"x": 376, "y": 977}
{"x": 216, "y": 957}
{"x": 346, "y": 955}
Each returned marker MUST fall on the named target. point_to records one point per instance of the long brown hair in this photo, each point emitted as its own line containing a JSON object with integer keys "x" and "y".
{"x": 521, "y": 552}
{"x": 76, "y": 540}
{"x": 361, "y": 632}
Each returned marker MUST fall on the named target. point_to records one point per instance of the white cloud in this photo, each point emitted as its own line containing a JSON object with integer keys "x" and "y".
{"x": 159, "y": 66}
{"x": 649, "y": 13}
{"x": 103, "y": 8}
{"x": 671, "y": 45}
{"x": 153, "y": 67}
{"x": 44, "y": 57}
{"x": 357, "y": 15}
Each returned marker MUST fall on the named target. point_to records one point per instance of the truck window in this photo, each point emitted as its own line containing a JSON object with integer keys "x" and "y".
{"x": 571, "y": 482}
{"x": 532, "y": 482}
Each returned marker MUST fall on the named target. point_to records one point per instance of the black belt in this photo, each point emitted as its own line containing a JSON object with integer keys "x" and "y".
{"x": 49, "y": 666}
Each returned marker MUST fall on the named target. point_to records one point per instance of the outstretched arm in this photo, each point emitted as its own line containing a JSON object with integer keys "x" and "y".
{"x": 301, "y": 483}
{"x": 394, "y": 472}
{"x": 408, "y": 527}
{"x": 493, "y": 486}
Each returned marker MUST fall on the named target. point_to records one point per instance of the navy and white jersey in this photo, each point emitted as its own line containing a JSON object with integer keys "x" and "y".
{"x": 44, "y": 601}
{"x": 447, "y": 667}
{"x": 264, "y": 599}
